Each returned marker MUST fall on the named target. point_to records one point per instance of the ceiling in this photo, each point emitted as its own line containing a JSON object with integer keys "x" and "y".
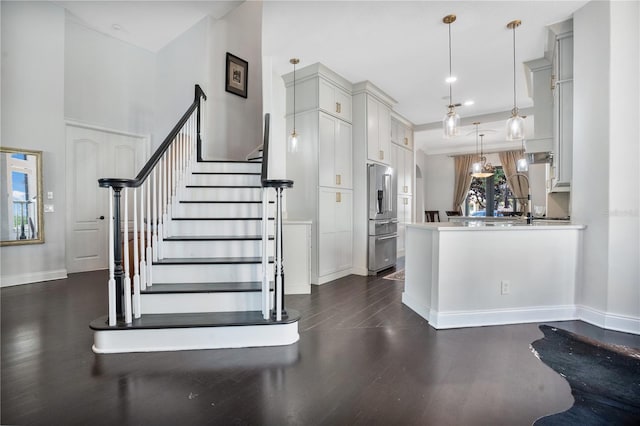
{"x": 400, "y": 46}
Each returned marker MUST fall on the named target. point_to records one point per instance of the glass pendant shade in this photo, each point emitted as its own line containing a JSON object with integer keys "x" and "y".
{"x": 292, "y": 145}
{"x": 522, "y": 165}
{"x": 476, "y": 169}
{"x": 451, "y": 124}
{"x": 515, "y": 128}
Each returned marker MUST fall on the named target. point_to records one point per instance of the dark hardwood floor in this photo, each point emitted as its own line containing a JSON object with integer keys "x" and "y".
{"x": 363, "y": 358}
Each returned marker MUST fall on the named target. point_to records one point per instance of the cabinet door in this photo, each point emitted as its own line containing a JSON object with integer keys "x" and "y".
{"x": 408, "y": 171}
{"x": 344, "y": 230}
{"x": 384, "y": 133}
{"x": 408, "y": 138}
{"x": 335, "y": 230}
{"x": 396, "y": 131}
{"x": 372, "y": 129}
{"x": 343, "y": 155}
{"x": 334, "y": 100}
{"x": 327, "y": 127}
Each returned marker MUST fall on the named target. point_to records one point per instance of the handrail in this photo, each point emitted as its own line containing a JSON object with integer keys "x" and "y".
{"x": 265, "y": 150}
{"x": 148, "y": 167}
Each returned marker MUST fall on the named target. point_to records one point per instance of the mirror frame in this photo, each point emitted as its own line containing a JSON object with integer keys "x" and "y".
{"x": 39, "y": 199}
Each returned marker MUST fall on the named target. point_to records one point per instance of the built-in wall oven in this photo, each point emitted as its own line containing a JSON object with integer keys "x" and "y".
{"x": 383, "y": 218}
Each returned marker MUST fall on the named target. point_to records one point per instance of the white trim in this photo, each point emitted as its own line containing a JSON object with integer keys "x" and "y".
{"x": 178, "y": 339}
{"x": 74, "y": 123}
{"x": 333, "y": 276}
{"x": 356, "y": 270}
{"x": 624, "y": 323}
{"x": 458, "y": 319}
{"x": 416, "y": 306}
{"x": 32, "y": 277}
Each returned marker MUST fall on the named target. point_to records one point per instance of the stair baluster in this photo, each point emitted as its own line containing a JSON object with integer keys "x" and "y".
{"x": 136, "y": 266}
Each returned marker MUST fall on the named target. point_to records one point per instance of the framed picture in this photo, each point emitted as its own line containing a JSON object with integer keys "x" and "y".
{"x": 236, "y": 76}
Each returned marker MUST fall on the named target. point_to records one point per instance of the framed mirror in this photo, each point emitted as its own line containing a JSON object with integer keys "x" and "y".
{"x": 21, "y": 209}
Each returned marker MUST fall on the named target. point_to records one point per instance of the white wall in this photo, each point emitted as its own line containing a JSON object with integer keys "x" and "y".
{"x": 107, "y": 82}
{"x": 235, "y": 123}
{"x": 606, "y": 71}
{"x": 33, "y": 118}
{"x": 179, "y": 66}
{"x": 274, "y": 102}
{"x": 438, "y": 173}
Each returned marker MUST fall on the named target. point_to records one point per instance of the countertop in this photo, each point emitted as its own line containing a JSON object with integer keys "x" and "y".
{"x": 481, "y": 225}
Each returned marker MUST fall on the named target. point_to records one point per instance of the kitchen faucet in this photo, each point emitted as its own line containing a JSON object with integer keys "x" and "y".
{"x": 529, "y": 215}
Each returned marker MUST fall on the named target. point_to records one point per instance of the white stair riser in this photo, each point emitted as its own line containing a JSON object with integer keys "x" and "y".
{"x": 238, "y": 248}
{"x": 222, "y": 194}
{"x": 208, "y": 273}
{"x": 217, "y": 227}
{"x": 228, "y": 167}
{"x": 175, "y": 339}
{"x": 232, "y": 210}
{"x": 229, "y": 180}
{"x": 201, "y": 302}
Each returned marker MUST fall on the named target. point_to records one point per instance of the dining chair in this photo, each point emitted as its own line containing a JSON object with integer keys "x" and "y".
{"x": 431, "y": 216}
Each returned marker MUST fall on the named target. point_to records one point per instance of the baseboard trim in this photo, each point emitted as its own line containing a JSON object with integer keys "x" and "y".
{"x": 356, "y": 270}
{"x": 623, "y": 323}
{"x": 459, "y": 319}
{"x": 416, "y": 306}
{"x": 32, "y": 277}
{"x": 330, "y": 277}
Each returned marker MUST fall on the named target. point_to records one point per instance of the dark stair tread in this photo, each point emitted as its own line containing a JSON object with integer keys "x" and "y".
{"x": 220, "y": 218}
{"x": 255, "y": 159}
{"x": 224, "y": 161}
{"x": 210, "y": 261}
{"x": 222, "y": 202}
{"x": 231, "y": 287}
{"x": 216, "y": 238}
{"x": 207, "y": 319}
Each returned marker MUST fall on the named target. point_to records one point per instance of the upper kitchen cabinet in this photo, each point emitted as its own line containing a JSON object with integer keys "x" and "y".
{"x": 317, "y": 87}
{"x": 334, "y": 152}
{"x": 334, "y": 100}
{"x": 562, "y": 86}
{"x": 373, "y": 107}
{"x": 401, "y": 131}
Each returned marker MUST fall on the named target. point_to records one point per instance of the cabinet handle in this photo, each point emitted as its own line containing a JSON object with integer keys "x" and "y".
{"x": 338, "y": 179}
{"x": 338, "y": 107}
{"x": 405, "y": 189}
{"x": 381, "y": 155}
{"x": 406, "y": 201}
{"x": 406, "y": 141}
{"x": 338, "y": 197}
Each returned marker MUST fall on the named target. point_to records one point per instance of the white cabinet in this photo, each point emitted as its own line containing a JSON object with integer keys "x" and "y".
{"x": 322, "y": 169}
{"x": 562, "y": 112}
{"x": 402, "y": 162}
{"x": 401, "y": 134}
{"x": 405, "y": 210}
{"x": 335, "y": 231}
{"x": 334, "y": 100}
{"x": 378, "y": 130}
{"x": 335, "y": 152}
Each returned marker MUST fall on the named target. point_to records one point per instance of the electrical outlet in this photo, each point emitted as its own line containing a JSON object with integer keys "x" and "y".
{"x": 505, "y": 287}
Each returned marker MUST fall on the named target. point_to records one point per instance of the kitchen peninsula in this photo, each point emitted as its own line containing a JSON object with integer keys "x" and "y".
{"x": 467, "y": 274}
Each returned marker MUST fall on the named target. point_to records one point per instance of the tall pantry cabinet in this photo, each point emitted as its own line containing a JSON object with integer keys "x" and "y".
{"x": 403, "y": 162}
{"x": 322, "y": 167}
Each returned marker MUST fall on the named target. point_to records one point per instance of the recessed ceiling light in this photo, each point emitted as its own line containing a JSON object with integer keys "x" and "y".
{"x": 469, "y": 102}
{"x": 116, "y": 27}
{"x": 451, "y": 79}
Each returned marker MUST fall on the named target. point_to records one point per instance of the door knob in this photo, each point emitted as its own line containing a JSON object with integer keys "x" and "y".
{"x": 101, "y": 217}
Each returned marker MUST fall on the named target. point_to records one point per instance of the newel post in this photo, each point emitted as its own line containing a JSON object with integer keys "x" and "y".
{"x": 198, "y": 96}
{"x": 117, "y": 250}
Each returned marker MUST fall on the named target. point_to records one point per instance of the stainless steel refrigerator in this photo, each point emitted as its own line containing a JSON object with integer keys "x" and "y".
{"x": 383, "y": 218}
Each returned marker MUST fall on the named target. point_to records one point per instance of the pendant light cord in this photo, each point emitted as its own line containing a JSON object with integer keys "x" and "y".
{"x": 294, "y": 98}
{"x": 450, "y": 91}
{"x": 515, "y": 108}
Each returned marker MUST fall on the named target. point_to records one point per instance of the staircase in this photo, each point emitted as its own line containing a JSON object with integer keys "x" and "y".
{"x": 203, "y": 273}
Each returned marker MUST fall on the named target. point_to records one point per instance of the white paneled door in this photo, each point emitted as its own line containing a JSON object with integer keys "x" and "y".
{"x": 93, "y": 154}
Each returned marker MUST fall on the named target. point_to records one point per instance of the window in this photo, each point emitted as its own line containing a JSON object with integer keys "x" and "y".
{"x": 492, "y": 191}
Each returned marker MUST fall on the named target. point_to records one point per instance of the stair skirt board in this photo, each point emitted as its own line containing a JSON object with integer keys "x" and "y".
{"x": 229, "y": 248}
{"x": 168, "y": 303}
{"x": 195, "y": 338}
{"x": 201, "y": 273}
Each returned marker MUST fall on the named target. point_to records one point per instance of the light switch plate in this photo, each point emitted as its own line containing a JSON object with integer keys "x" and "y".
{"x": 49, "y": 195}
{"x": 48, "y": 208}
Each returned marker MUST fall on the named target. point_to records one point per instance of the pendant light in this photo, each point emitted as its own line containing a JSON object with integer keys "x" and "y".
{"x": 522, "y": 166}
{"x": 292, "y": 145}
{"x": 515, "y": 125}
{"x": 481, "y": 169}
{"x": 451, "y": 121}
